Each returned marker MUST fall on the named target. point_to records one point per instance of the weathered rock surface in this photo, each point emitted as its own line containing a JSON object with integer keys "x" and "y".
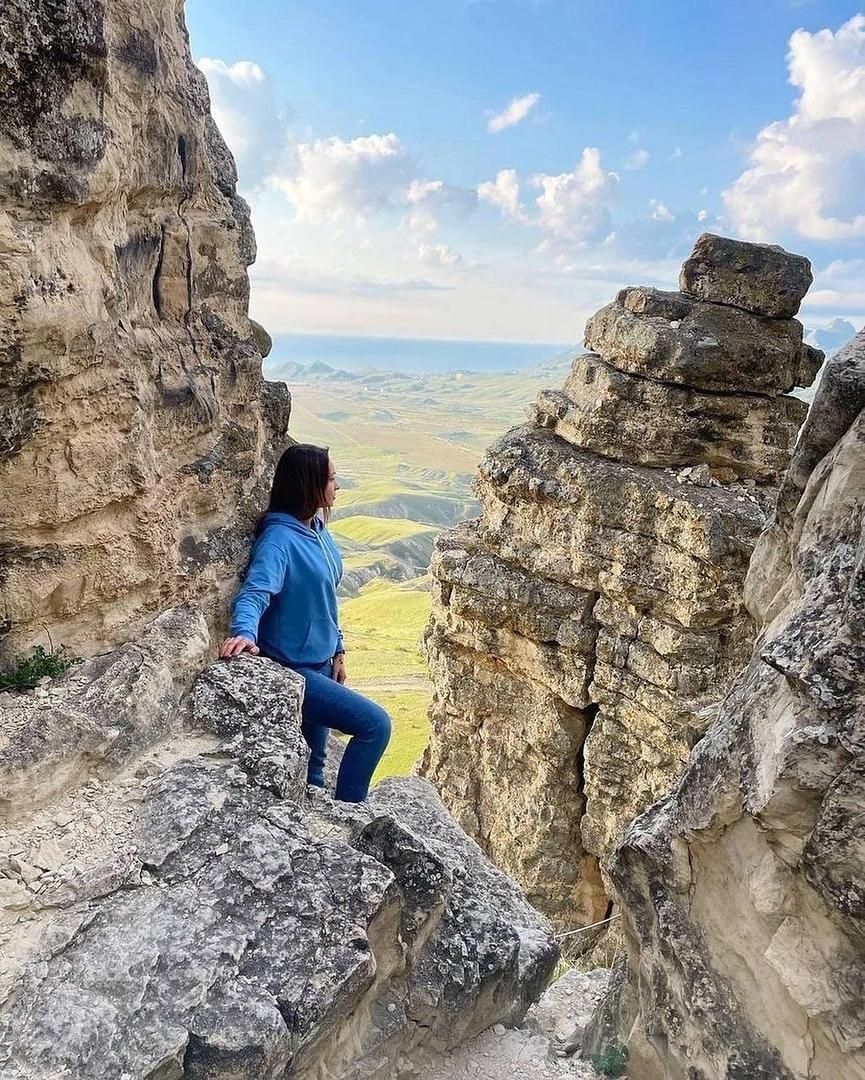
{"x": 134, "y": 422}
{"x": 100, "y": 714}
{"x": 761, "y": 278}
{"x": 744, "y": 889}
{"x": 586, "y": 622}
{"x": 607, "y": 411}
{"x": 240, "y": 927}
{"x": 674, "y": 339}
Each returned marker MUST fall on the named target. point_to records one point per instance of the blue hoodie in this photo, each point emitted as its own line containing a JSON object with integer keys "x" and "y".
{"x": 287, "y": 603}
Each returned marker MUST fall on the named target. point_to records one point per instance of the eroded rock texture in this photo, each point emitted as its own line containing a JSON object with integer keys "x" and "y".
{"x": 584, "y": 622}
{"x": 220, "y": 922}
{"x": 134, "y": 421}
{"x": 744, "y": 890}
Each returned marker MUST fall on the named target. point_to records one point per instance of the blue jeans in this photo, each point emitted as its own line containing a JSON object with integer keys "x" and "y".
{"x": 328, "y": 704}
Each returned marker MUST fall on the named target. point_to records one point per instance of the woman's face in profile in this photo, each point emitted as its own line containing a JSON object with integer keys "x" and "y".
{"x": 332, "y": 486}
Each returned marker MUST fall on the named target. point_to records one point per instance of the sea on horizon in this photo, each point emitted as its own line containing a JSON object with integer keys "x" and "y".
{"x": 409, "y": 355}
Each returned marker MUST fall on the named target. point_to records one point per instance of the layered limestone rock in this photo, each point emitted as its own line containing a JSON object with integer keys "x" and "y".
{"x": 744, "y": 889}
{"x": 585, "y": 621}
{"x": 186, "y": 908}
{"x": 134, "y": 422}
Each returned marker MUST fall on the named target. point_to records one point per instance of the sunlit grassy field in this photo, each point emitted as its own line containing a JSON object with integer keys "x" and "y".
{"x": 406, "y": 448}
{"x": 408, "y": 713}
{"x": 378, "y": 531}
{"x": 382, "y": 628}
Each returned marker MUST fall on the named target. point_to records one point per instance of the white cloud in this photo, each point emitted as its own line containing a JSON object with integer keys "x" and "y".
{"x": 439, "y": 255}
{"x": 243, "y": 106}
{"x": 807, "y": 173}
{"x": 504, "y": 193}
{"x": 838, "y": 288}
{"x": 515, "y": 111}
{"x": 702, "y": 215}
{"x": 676, "y": 154}
{"x": 338, "y": 180}
{"x": 575, "y": 206}
{"x": 429, "y": 200}
{"x": 638, "y": 160}
{"x": 660, "y": 212}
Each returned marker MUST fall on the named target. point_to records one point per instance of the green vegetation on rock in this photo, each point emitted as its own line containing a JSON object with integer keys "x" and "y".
{"x": 26, "y": 672}
{"x": 613, "y": 1061}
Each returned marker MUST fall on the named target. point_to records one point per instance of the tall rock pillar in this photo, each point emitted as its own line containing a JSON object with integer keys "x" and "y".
{"x": 135, "y": 426}
{"x": 583, "y": 625}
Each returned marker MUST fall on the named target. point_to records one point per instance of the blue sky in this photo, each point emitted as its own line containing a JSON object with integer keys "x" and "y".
{"x": 496, "y": 169}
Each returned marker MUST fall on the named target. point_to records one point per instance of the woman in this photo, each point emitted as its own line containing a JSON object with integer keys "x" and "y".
{"x": 286, "y": 609}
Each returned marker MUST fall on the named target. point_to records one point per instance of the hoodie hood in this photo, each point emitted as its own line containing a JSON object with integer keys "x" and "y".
{"x": 278, "y": 517}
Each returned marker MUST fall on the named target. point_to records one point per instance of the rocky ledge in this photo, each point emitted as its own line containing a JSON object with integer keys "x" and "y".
{"x": 218, "y": 919}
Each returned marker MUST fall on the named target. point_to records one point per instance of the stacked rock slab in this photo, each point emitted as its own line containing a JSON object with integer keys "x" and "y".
{"x": 134, "y": 422}
{"x": 584, "y": 622}
{"x": 744, "y": 890}
{"x": 224, "y": 922}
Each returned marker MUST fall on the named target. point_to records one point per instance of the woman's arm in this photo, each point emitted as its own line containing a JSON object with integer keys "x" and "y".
{"x": 268, "y": 569}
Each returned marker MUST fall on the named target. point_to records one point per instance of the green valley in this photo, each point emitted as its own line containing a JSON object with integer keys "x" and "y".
{"x": 406, "y": 448}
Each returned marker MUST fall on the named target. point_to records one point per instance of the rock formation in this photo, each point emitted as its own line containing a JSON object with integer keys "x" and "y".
{"x": 182, "y": 907}
{"x": 744, "y": 890}
{"x": 582, "y": 625}
{"x": 134, "y": 422}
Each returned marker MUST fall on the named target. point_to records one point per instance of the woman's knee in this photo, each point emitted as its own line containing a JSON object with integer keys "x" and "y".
{"x": 379, "y": 724}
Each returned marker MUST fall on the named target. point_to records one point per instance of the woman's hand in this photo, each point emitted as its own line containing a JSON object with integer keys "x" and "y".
{"x": 234, "y": 646}
{"x": 339, "y": 668}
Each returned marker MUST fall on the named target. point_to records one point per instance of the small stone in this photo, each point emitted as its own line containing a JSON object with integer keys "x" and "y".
{"x": 701, "y": 475}
{"x": 147, "y": 769}
{"x": 391, "y": 1007}
{"x": 499, "y": 1029}
{"x": 49, "y": 855}
{"x": 13, "y": 895}
{"x": 63, "y": 818}
{"x": 97, "y": 820}
{"x": 26, "y": 871}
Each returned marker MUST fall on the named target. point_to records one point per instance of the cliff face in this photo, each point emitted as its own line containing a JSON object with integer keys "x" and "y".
{"x": 584, "y": 622}
{"x": 134, "y": 422}
{"x": 744, "y": 890}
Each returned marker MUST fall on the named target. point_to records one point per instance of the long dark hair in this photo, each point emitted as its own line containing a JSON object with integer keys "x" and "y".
{"x": 299, "y": 481}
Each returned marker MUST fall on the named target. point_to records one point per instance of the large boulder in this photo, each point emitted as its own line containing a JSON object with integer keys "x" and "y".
{"x": 761, "y": 278}
{"x": 100, "y": 715}
{"x": 225, "y": 922}
{"x": 743, "y": 891}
